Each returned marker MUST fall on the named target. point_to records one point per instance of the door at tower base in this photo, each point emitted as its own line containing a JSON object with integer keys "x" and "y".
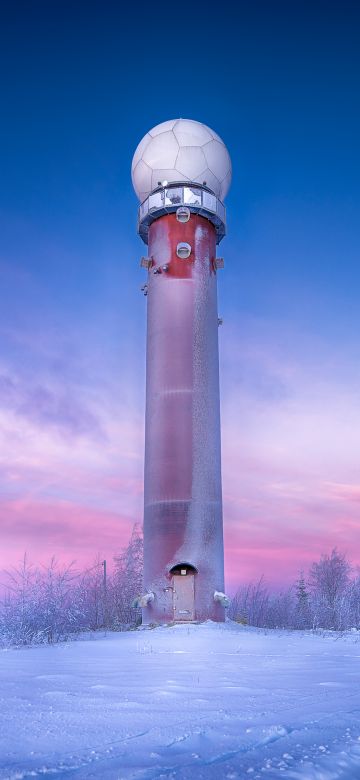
{"x": 183, "y": 592}
{"x": 183, "y": 596}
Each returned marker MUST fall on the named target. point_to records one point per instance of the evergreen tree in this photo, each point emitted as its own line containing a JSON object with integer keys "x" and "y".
{"x": 302, "y": 609}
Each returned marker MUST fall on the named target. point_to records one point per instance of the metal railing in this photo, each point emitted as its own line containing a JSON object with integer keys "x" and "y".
{"x": 197, "y": 199}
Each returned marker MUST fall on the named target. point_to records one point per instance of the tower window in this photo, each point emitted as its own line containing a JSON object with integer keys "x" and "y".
{"x": 183, "y": 250}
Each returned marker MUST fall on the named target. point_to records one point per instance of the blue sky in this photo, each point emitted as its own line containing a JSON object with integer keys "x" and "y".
{"x": 81, "y": 84}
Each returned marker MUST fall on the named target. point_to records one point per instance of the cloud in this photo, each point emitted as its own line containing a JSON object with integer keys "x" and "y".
{"x": 344, "y": 491}
{"x": 70, "y": 531}
{"x": 50, "y": 407}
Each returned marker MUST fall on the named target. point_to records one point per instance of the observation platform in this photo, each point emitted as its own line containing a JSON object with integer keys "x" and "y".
{"x": 166, "y": 200}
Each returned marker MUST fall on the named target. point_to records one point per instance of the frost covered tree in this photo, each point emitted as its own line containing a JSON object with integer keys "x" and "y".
{"x": 281, "y": 609}
{"x": 39, "y": 605}
{"x": 127, "y": 581}
{"x": 302, "y": 610}
{"x": 250, "y": 604}
{"x": 57, "y": 609}
{"x": 52, "y": 603}
{"x": 329, "y": 581}
{"x": 18, "y": 620}
{"x": 353, "y": 604}
{"x": 91, "y": 597}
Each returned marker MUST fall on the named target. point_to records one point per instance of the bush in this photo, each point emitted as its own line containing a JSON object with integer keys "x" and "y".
{"x": 52, "y": 604}
{"x": 329, "y": 600}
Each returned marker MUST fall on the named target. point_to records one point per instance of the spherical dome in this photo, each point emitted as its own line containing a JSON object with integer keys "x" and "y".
{"x": 181, "y": 150}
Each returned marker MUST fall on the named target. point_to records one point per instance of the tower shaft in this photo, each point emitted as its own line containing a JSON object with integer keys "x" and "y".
{"x": 183, "y": 528}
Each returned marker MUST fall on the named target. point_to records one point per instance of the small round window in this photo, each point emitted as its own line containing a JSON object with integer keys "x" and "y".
{"x": 183, "y": 214}
{"x": 183, "y": 250}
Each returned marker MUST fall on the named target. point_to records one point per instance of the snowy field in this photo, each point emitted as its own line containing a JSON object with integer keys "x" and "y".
{"x": 199, "y": 701}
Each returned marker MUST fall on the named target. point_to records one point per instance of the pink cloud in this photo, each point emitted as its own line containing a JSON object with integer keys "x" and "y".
{"x": 344, "y": 491}
{"x": 68, "y": 531}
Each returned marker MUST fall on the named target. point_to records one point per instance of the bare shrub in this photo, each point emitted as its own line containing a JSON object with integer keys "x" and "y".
{"x": 39, "y": 605}
{"x": 330, "y": 600}
{"x": 53, "y": 603}
{"x": 250, "y": 604}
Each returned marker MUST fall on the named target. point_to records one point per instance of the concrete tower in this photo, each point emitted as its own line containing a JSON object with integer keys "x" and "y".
{"x": 181, "y": 171}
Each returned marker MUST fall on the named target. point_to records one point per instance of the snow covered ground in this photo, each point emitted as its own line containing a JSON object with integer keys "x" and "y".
{"x": 183, "y": 702}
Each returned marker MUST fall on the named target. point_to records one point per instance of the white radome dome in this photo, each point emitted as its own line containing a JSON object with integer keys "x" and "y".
{"x": 181, "y": 150}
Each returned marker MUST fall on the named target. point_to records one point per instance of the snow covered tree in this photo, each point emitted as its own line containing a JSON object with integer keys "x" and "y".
{"x": 250, "y": 604}
{"x": 127, "y": 580}
{"x": 91, "y": 596}
{"x": 302, "y": 611}
{"x": 302, "y": 595}
{"x": 353, "y": 604}
{"x": 56, "y": 608}
{"x": 329, "y": 580}
{"x": 19, "y": 623}
{"x": 39, "y": 605}
{"x": 281, "y": 608}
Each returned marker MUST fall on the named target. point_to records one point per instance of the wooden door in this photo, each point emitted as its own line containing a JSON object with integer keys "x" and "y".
{"x": 183, "y": 597}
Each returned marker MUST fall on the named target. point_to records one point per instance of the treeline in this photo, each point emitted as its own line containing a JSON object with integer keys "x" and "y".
{"x": 328, "y": 598}
{"x": 53, "y": 603}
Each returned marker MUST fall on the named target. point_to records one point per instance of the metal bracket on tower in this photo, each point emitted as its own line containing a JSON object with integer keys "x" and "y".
{"x": 146, "y": 262}
{"x": 219, "y": 262}
{"x": 220, "y": 320}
